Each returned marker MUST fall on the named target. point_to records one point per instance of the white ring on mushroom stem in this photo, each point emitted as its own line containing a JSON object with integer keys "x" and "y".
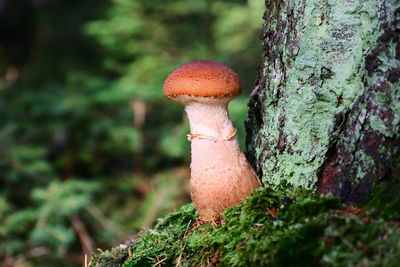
{"x": 211, "y": 138}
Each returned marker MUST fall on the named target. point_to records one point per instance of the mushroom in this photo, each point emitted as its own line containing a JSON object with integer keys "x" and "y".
{"x": 221, "y": 176}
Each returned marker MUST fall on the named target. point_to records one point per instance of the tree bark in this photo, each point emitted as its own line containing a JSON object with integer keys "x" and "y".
{"x": 325, "y": 110}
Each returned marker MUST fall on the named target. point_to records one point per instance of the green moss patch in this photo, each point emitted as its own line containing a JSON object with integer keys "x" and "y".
{"x": 269, "y": 229}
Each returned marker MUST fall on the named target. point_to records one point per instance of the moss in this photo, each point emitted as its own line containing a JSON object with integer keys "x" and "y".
{"x": 271, "y": 228}
{"x": 384, "y": 199}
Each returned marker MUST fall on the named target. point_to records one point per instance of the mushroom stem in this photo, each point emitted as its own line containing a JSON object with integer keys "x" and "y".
{"x": 209, "y": 120}
{"x": 221, "y": 176}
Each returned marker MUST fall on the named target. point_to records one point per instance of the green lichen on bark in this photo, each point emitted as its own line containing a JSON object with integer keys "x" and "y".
{"x": 314, "y": 79}
{"x": 270, "y": 228}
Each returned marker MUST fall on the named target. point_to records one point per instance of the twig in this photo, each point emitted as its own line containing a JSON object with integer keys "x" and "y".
{"x": 241, "y": 245}
{"x": 187, "y": 228}
{"x": 159, "y": 261}
{"x": 84, "y": 237}
{"x": 178, "y": 262}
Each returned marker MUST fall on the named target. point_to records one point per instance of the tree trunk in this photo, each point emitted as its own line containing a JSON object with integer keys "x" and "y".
{"x": 325, "y": 111}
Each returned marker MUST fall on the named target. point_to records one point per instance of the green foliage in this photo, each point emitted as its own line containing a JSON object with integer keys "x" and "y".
{"x": 269, "y": 229}
{"x": 85, "y": 131}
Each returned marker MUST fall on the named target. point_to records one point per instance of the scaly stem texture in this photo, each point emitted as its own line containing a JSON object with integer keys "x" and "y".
{"x": 221, "y": 177}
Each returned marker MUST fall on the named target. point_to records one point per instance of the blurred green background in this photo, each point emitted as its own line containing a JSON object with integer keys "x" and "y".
{"x": 91, "y": 153}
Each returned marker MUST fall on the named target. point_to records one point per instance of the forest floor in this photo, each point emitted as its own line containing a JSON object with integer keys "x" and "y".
{"x": 273, "y": 227}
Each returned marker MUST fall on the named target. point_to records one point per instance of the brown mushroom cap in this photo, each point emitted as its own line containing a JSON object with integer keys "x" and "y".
{"x": 202, "y": 78}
